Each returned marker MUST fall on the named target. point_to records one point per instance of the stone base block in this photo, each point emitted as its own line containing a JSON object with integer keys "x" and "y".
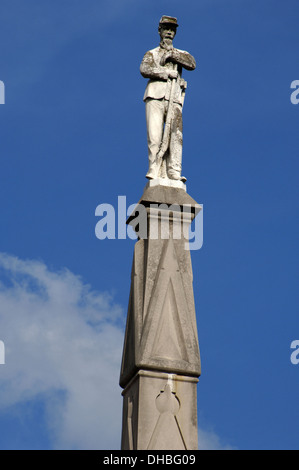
{"x": 166, "y": 182}
{"x": 159, "y": 412}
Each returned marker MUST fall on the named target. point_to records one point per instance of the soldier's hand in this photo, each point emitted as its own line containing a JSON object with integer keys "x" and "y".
{"x": 175, "y": 55}
{"x": 167, "y": 55}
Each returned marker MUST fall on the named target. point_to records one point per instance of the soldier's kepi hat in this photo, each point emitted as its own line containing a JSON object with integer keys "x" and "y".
{"x": 168, "y": 20}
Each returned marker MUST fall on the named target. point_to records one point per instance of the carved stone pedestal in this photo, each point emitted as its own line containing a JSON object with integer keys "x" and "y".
{"x": 161, "y": 361}
{"x": 159, "y": 412}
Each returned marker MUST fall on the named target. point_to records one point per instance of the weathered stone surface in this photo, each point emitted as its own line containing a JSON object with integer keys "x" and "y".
{"x": 159, "y": 412}
{"x": 161, "y": 331}
{"x": 161, "y": 360}
{"x": 170, "y": 195}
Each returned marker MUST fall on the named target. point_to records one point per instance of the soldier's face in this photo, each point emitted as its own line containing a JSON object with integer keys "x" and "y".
{"x": 167, "y": 31}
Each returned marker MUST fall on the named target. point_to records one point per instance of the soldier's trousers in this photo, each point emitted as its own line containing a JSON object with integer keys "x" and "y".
{"x": 156, "y": 112}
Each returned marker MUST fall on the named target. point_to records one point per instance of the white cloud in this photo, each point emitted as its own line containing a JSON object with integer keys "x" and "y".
{"x": 63, "y": 342}
{"x": 209, "y": 440}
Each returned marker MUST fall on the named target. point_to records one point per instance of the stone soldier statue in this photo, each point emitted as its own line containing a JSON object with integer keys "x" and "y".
{"x": 164, "y": 99}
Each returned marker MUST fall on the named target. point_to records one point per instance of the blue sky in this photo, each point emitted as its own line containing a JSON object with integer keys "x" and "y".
{"x": 73, "y": 136}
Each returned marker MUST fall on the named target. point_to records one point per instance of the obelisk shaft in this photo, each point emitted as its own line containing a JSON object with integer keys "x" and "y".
{"x": 161, "y": 361}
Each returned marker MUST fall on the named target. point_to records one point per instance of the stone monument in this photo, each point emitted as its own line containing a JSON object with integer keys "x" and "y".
{"x": 161, "y": 360}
